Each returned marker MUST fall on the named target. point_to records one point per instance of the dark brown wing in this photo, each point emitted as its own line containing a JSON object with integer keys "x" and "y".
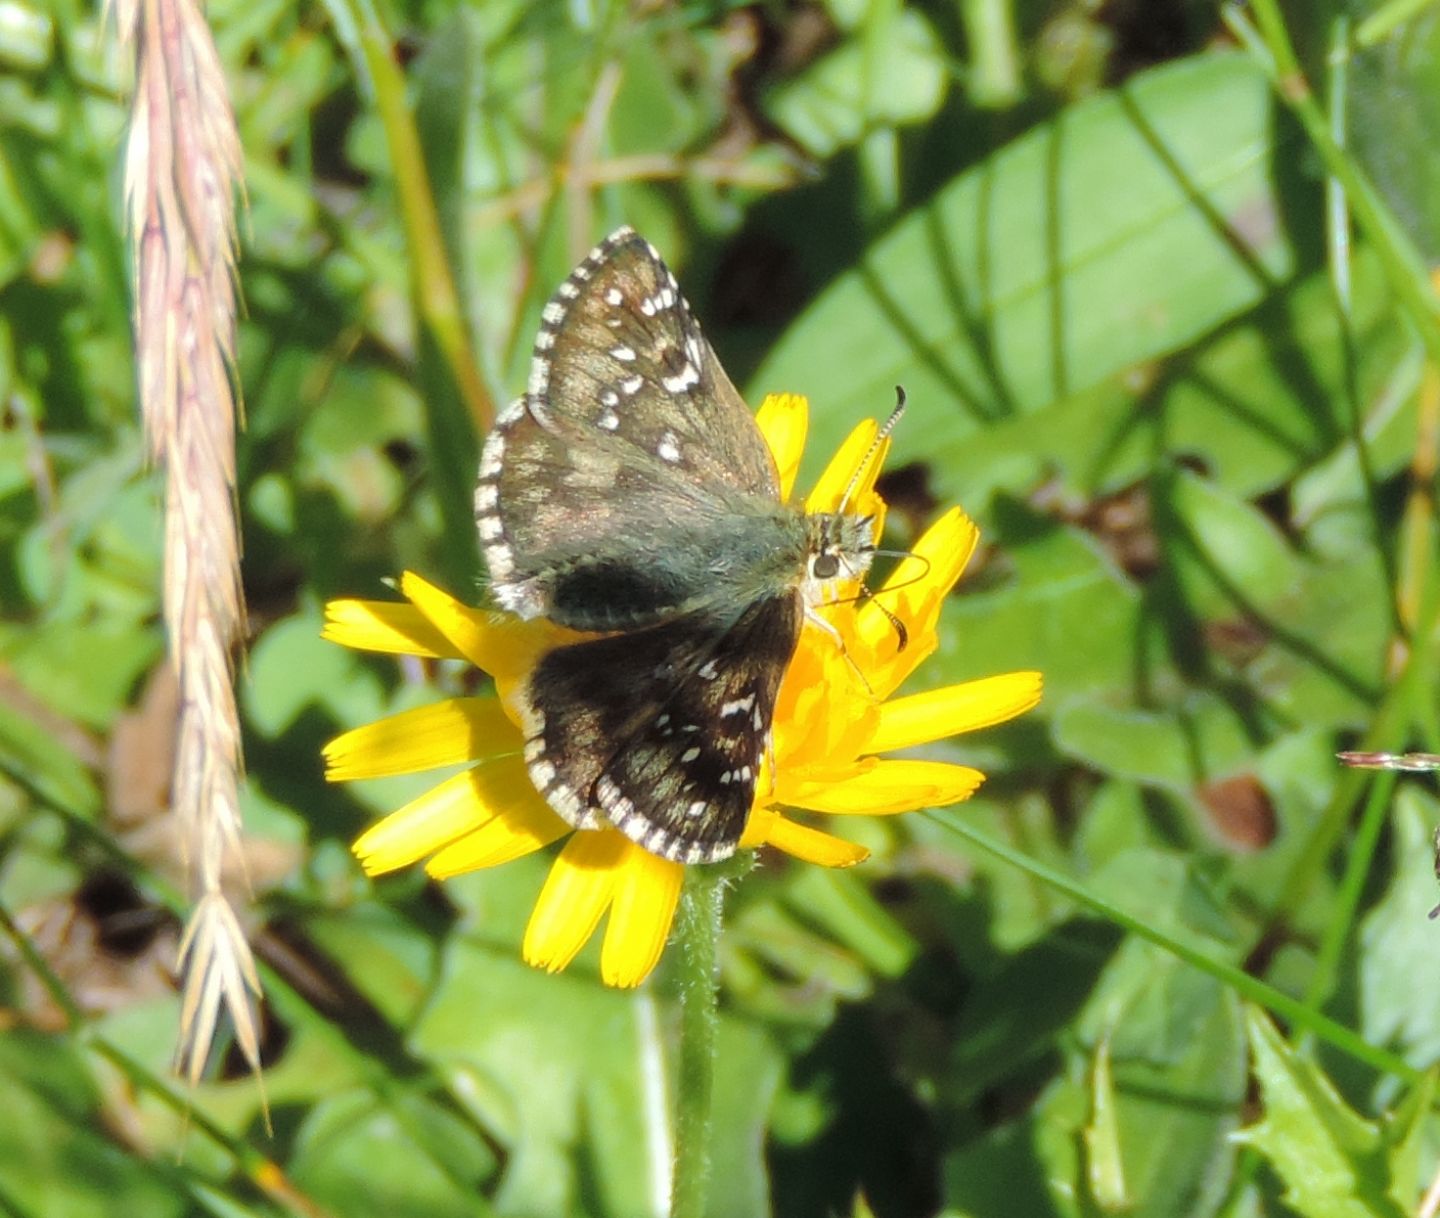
{"x": 625, "y": 398}
{"x": 661, "y": 732}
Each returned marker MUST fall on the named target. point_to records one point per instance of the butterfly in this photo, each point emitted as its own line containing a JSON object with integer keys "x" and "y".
{"x": 629, "y": 493}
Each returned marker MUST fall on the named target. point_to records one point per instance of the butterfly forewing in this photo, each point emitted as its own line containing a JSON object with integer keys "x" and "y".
{"x": 628, "y": 412}
{"x": 662, "y": 730}
{"x": 619, "y": 349}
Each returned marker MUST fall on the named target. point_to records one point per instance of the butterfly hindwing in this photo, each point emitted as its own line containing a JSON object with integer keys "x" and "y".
{"x": 661, "y": 732}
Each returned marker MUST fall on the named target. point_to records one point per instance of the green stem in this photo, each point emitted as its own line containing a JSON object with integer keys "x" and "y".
{"x": 698, "y": 932}
{"x": 436, "y": 295}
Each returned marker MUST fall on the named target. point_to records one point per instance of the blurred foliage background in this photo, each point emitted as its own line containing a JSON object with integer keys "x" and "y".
{"x": 1193, "y": 412}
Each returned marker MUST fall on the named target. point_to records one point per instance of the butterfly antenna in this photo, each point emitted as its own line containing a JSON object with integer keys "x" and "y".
{"x": 901, "y": 633}
{"x": 865, "y": 594}
{"x": 880, "y": 437}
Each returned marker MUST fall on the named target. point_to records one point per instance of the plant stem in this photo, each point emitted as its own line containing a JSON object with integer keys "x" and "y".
{"x": 699, "y": 937}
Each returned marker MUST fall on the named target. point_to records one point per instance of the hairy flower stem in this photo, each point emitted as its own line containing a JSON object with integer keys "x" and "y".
{"x": 698, "y": 935}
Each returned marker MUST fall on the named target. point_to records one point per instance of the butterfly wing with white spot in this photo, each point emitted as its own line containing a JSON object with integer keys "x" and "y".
{"x": 631, "y": 446}
{"x": 661, "y": 732}
{"x": 620, "y": 351}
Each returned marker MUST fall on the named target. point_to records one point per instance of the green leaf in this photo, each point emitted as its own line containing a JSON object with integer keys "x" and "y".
{"x": 1333, "y": 1163}
{"x": 55, "y": 1157}
{"x": 887, "y": 76}
{"x": 1177, "y": 1067}
{"x": 1199, "y": 739}
{"x": 1063, "y": 608}
{"x": 366, "y": 1158}
{"x": 575, "y": 1074}
{"x": 1132, "y": 224}
{"x": 1226, "y": 557}
{"x": 1394, "y": 106}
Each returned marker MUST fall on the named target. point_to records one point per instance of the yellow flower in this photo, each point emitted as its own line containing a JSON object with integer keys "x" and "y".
{"x": 832, "y": 724}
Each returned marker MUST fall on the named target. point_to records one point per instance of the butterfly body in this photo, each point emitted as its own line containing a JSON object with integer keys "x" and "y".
{"x": 629, "y": 493}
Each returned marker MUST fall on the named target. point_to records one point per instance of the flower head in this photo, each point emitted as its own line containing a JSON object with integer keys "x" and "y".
{"x": 834, "y": 721}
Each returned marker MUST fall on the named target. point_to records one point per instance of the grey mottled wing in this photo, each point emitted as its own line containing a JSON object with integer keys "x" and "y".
{"x": 629, "y": 426}
{"x": 660, "y": 732}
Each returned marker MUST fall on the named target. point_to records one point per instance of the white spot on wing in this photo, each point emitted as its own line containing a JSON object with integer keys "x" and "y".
{"x": 626, "y": 355}
{"x": 669, "y": 448}
{"x": 501, "y": 562}
{"x": 683, "y": 381}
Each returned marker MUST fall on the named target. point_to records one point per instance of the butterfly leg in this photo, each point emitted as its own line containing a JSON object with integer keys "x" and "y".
{"x": 829, "y": 628}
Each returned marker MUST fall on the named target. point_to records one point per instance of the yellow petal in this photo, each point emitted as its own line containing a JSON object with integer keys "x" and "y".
{"x": 646, "y": 893}
{"x": 524, "y": 827}
{"x": 796, "y": 783}
{"x": 824, "y": 710}
{"x": 921, "y": 718}
{"x": 457, "y": 806}
{"x": 919, "y": 582}
{"x": 813, "y": 846}
{"x": 914, "y": 593}
{"x": 892, "y": 786}
{"x": 844, "y": 470}
{"x": 447, "y": 733}
{"x": 500, "y": 643}
{"x": 783, "y": 419}
{"x": 576, "y": 894}
{"x": 387, "y": 626}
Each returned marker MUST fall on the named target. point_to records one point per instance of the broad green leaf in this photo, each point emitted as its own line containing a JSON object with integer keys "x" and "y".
{"x": 56, "y": 1156}
{"x": 1332, "y": 1162}
{"x": 1020, "y": 1011}
{"x": 889, "y": 76}
{"x": 575, "y": 1077}
{"x": 1225, "y": 556}
{"x": 1199, "y": 739}
{"x": 1175, "y": 1096}
{"x": 369, "y": 1159}
{"x": 1392, "y": 112}
{"x": 1132, "y": 224}
{"x": 1062, "y": 607}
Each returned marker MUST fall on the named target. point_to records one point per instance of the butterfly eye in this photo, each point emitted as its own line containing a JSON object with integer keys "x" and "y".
{"x": 825, "y": 566}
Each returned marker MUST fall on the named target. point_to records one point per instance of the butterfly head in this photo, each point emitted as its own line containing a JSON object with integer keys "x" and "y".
{"x": 838, "y": 551}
